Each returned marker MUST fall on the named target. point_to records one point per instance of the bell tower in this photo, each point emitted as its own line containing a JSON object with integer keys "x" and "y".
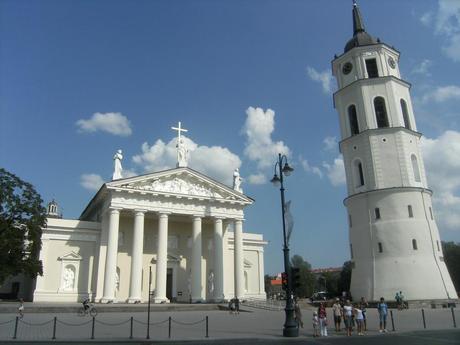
{"x": 394, "y": 240}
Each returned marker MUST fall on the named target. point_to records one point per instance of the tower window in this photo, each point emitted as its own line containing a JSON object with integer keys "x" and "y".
{"x": 409, "y": 209}
{"x": 380, "y": 112}
{"x": 377, "y": 213}
{"x": 372, "y": 70}
{"x": 380, "y": 247}
{"x": 437, "y": 245}
{"x": 351, "y": 250}
{"x": 415, "y": 168}
{"x": 414, "y": 244}
{"x": 405, "y": 114}
{"x": 358, "y": 173}
{"x": 431, "y": 213}
{"x": 353, "y": 119}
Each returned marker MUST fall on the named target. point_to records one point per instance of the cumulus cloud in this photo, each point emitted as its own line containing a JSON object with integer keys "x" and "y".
{"x": 444, "y": 152}
{"x": 335, "y": 171}
{"x": 259, "y": 178}
{"x": 325, "y": 78}
{"x": 447, "y": 26}
{"x": 215, "y": 161}
{"x": 258, "y": 129}
{"x": 311, "y": 169}
{"x": 113, "y": 123}
{"x": 423, "y": 67}
{"x": 442, "y": 94}
{"x": 330, "y": 143}
{"x": 426, "y": 18}
{"x": 91, "y": 182}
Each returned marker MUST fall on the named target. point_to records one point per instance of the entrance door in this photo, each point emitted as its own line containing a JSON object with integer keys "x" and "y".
{"x": 169, "y": 281}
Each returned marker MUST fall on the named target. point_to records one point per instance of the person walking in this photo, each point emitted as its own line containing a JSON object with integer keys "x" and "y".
{"x": 347, "y": 314}
{"x": 383, "y": 311}
{"x": 322, "y": 315}
{"x": 21, "y": 308}
{"x": 298, "y": 315}
{"x": 337, "y": 311}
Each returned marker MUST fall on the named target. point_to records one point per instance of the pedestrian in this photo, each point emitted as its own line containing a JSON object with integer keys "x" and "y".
{"x": 401, "y": 297}
{"x": 231, "y": 306}
{"x": 315, "y": 324}
{"x": 363, "y": 305}
{"x": 237, "y": 305}
{"x": 359, "y": 320}
{"x": 398, "y": 300}
{"x": 383, "y": 311}
{"x": 322, "y": 315}
{"x": 21, "y": 308}
{"x": 298, "y": 315}
{"x": 347, "y": 313}
{"x": 337, "y": 311}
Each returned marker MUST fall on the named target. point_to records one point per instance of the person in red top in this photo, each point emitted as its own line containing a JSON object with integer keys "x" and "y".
{"x": 322, "y": 315}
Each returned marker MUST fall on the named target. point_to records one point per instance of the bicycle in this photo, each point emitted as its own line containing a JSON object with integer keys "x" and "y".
{"x": 91, "y": 310}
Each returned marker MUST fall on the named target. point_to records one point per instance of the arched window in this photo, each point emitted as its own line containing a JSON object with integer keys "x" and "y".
{"x": 380, "y": 247}
{"x": 380, "y": 112}
{"x": 353, "y": 119}
{"x": 405, "y": 114}
{"x": 358, "y": 173}
{"x": 414, "y": 244}
{"x": 415, "y": 168}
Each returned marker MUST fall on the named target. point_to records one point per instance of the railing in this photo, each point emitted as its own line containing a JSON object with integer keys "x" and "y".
{"x": 273, "y": 305}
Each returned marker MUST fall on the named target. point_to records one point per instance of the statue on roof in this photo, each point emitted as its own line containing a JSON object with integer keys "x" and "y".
{"x": 237, "y": 181}
{"x": 182, "y": 151}
{"x": 118, "y": 169}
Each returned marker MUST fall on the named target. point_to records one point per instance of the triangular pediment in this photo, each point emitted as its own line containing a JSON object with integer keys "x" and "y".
{"x": 180, "y": 182}
{"x": 72, "y": 256}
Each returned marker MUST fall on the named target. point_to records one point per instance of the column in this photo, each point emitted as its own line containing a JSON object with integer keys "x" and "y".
{"x": 238, "y": 259}
{"x": 136, "y": 259}
{"x": 111, "y": 257}
{"x": 162, "y": 259}
{"x": 218, "y": 261}
{"x": 260, "y": 257}
{"x": 196, "y": 261}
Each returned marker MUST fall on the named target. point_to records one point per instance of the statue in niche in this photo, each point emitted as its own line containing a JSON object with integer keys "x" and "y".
{"x": 237, "y": 181}
{"x": 117, "y": 171}
{"x": 211, "y": 282}
{"x": 69, "y": 278}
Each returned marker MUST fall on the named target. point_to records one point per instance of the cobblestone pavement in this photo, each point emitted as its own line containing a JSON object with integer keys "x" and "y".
{"x": 258, "y": 325}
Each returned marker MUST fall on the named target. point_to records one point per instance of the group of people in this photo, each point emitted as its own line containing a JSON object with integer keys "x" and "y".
{"x": 234, "y": 306}
{"x": 399, "y": 298}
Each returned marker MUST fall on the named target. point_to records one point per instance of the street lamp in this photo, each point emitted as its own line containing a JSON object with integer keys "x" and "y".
{"x": 290, "y": 328}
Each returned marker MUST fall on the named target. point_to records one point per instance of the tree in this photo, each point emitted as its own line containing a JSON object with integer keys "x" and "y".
{"x": 345, "y": 277}
{"x": 451, "y": 252}
{"x": 22, "y": 218}
{"x": 307, "y": 280}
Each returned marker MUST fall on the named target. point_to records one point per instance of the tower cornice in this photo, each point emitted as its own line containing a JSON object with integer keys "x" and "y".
{"x": 386, "y": 190}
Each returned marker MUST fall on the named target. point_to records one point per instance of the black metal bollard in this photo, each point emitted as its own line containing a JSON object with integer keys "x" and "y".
{"x": 453, "y": 317}
{"x": 169, "y": 327}
{"x": 423, "y": 317}
{"x": 92, "y": 328}
{"x": 207, "y": 327}
{"x": 16, "y": 328}
{"x": 131, "y": 329}
{"x": 392, "y": 321}
{"x": 54, "y": 328}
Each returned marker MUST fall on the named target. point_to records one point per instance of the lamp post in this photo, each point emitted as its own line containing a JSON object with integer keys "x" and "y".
{"x": 290, "y": 328}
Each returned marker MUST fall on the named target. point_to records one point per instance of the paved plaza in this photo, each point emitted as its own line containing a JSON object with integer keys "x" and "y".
{"x": 257, "y": 325}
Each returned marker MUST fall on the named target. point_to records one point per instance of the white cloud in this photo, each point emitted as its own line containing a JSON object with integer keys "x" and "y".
{"x": 426, "y": 18}
{"x": 257, "y": 178}
{"x": 423, "y": 67}
{"x": 113, "y": 123}
{"x": 444, "y": 152}
{"x": 336, "y": 171}
{"x": 330, "y": 143}
{"x": 216, "y": 162}
{"x": 91, "y": 182}
{"x": 311, "y": 169}
{"x": 325, "y": 78}
{"x": 258, "y": 130}
{"x": 447, "y": 25}
{"x": 442, "y": 94}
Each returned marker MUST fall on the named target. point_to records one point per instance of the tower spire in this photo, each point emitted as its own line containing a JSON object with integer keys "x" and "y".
{"x": 358, "y": 23}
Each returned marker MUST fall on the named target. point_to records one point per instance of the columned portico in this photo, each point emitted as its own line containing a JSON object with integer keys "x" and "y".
{"x": 196, "y": 274}
{"x": 238, "y": 259}
{"x": 111, "y": 258}
{"x": 218, "y": 261}
{"x": 136, "y": 263}
{"x": 162, "y": 259}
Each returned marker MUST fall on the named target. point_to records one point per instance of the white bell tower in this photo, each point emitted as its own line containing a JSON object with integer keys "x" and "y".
{"x": 394, "y": 240}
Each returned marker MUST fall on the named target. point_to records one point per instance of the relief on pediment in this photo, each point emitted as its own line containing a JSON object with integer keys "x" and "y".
{"x": 176, "y": 185}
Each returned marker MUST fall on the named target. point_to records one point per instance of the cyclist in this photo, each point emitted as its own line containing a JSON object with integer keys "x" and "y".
{"x": 86, "y": 305}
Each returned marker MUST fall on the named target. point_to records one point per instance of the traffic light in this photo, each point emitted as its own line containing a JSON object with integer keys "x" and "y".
{"x": 295, "y": 276}
{"x": 284, "y": 282}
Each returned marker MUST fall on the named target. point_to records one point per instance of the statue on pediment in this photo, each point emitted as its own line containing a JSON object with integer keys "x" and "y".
{"x": 237, "y": 181}
{"x": 118, "y": 169}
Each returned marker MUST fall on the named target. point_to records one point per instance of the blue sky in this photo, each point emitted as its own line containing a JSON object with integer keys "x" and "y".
{"x": 246, "y": 78}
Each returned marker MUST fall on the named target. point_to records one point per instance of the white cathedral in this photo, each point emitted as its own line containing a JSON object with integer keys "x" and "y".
{"x": 394, "y": 240}
{"x": 177, "y": 228}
